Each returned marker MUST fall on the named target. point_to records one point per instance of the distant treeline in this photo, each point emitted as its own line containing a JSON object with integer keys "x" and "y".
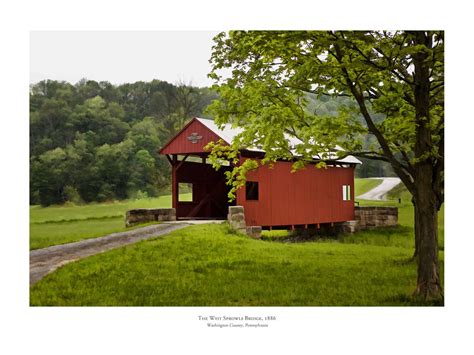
{"x": 94, "y": 141}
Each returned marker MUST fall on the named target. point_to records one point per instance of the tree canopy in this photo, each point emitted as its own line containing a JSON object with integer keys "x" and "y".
{"x": 273, "y": 73}
{"x": 394, "y": 85}
{"x": 94, "y": 141}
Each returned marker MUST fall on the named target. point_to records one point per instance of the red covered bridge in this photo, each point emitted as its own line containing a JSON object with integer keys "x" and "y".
{"x": 272, "y": 197}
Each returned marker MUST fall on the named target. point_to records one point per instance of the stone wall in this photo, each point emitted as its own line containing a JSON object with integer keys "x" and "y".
{"x": 144, "y": 215}
{"x": 236, "y": 219}
{"x": 254, "y": 231}
{"x": 371, "y": 217}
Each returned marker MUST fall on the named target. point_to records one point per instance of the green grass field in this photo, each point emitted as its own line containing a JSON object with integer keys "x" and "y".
{"x": 64, "y": 224}
{"x": 209, "y": 265}
{"x": 40, "y": 214}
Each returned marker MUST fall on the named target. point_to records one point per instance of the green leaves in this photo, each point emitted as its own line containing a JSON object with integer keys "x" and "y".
{"x": 276, "y": 74}
{"x": 94, "y": 124}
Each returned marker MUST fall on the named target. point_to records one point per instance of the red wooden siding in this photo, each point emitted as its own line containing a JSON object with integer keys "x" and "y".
{"x": 180, "y": 144}
{"x": 308, "y": 196}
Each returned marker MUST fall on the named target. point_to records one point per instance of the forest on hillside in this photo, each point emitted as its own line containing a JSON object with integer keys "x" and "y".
{"x": 94, "y": 141}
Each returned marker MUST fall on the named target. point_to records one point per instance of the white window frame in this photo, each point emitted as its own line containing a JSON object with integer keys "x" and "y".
{"x": 346, "y": 192}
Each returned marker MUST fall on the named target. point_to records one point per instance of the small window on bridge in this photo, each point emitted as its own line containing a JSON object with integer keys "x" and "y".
{"x": 346, "y": 192}
{"x": 185, "y": 192}
{"x": 251, "y": 191}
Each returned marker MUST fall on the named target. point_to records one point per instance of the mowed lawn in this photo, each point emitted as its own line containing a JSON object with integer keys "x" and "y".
{"x": 64, "y": 224}
{"x": 208, "y": 265}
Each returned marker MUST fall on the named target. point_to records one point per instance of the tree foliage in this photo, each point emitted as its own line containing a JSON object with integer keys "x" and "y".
{"x": 94, "y": 141}
{"x": 393, "y": 82}
{"x": 274, "y": 72}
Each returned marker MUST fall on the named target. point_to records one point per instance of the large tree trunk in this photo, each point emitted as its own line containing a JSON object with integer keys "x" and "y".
{"x": 426, "y": 211}
{"x": 417, "y": 236}
{"x": 426, "y": 217}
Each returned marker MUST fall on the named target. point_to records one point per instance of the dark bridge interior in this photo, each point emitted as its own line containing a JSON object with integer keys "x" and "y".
{"x": 208, "y": 188}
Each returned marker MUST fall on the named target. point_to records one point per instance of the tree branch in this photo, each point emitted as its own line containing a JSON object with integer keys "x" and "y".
{"x": 380, "y": 67}
{"x": 397, "y": 166}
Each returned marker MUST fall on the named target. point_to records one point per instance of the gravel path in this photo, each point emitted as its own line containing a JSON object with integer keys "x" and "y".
{"x": 44, "y": 261}
{"x": 378, "y": 193}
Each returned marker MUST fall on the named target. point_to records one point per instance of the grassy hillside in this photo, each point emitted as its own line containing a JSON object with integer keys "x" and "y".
{"x": 361, "y": 186}
{"x": 399, "y": 191}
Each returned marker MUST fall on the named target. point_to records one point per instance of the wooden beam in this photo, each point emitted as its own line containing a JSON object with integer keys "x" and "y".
{"x": 169, "y": 159}
{"x": 182, "y": 161}
{"x": 196, "y": 209}
{"x": 174, "y": 184}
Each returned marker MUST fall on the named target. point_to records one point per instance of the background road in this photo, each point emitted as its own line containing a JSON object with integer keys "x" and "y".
{"x": 378, "y": 193}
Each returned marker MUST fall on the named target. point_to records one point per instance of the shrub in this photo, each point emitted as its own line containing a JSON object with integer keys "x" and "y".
{"x": 141, "y": 195}
{"x": 72, "y": 195}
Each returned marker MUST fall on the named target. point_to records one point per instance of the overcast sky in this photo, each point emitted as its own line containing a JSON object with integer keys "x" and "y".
{"x": 120, "y": 57}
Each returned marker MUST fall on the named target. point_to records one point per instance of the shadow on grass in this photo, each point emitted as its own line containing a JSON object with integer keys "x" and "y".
{"x": 377, "y": 236}
{"x": 407, "y": 300}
